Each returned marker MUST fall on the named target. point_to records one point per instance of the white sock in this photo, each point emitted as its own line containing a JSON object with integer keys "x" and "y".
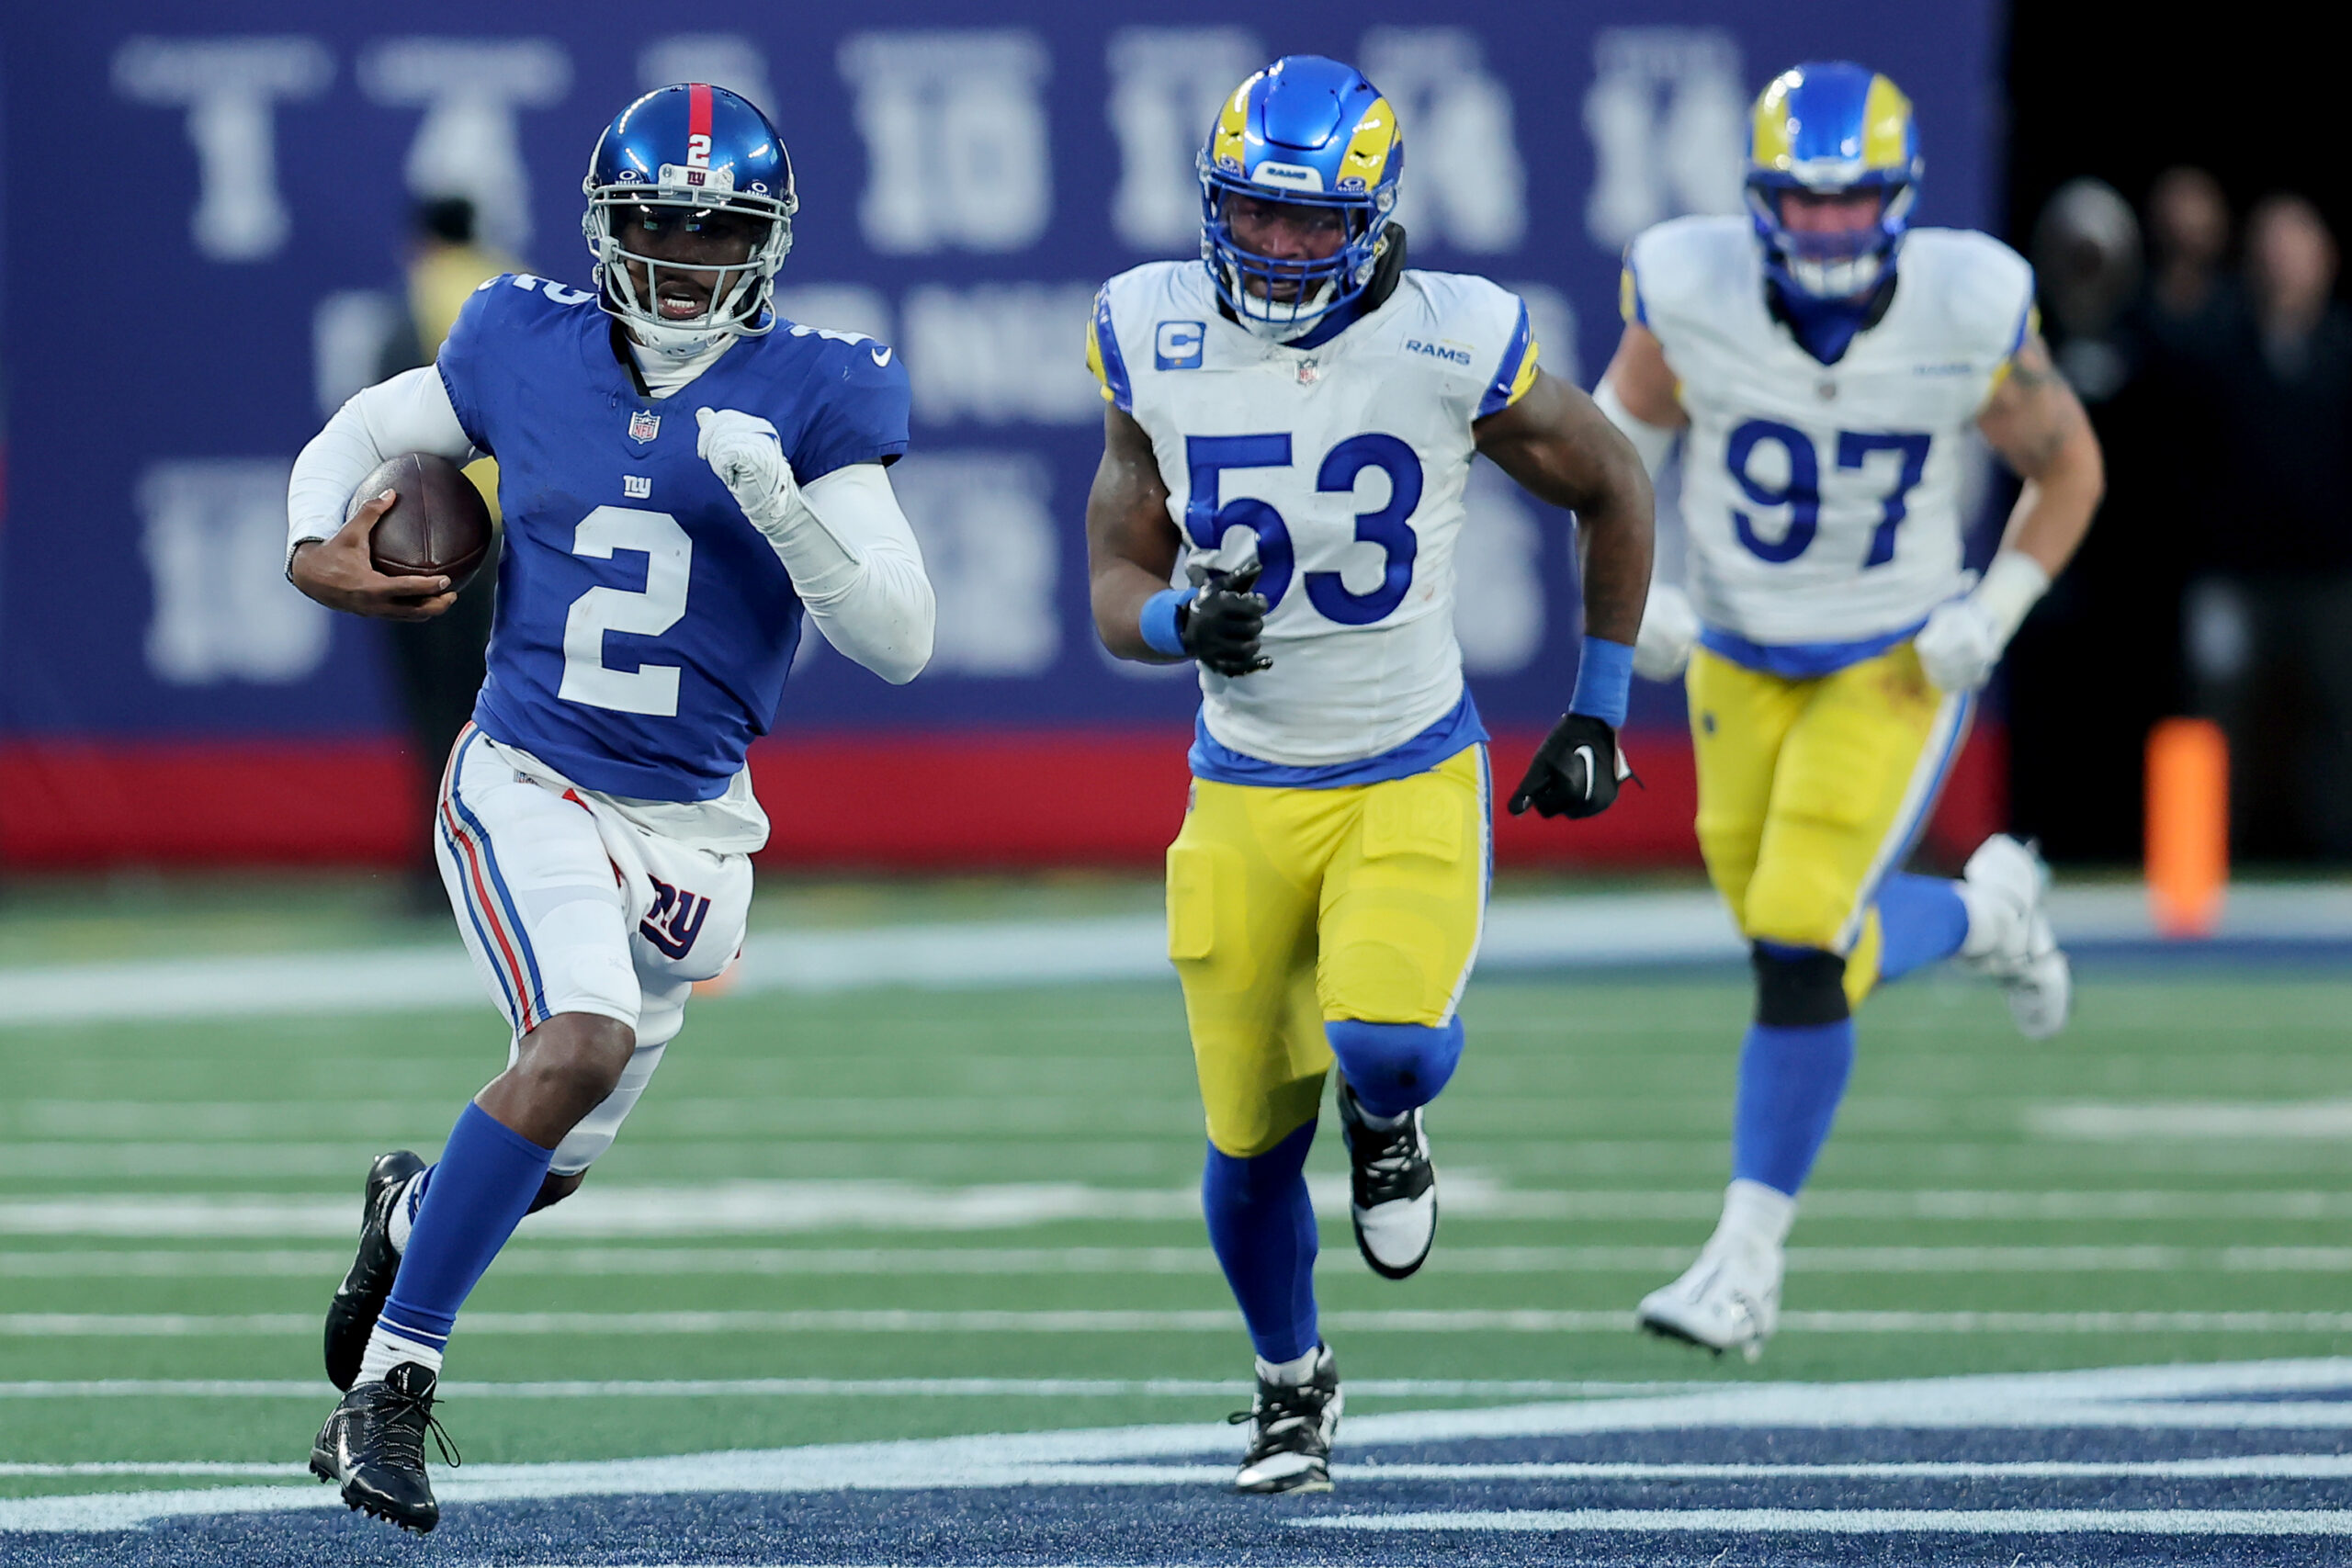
{"x": 1989, "y": 918}
{"x": 404, "y": 1213}
{"x": 1286, "y": 1374}
{"x": 1755, "y": 1212}
{"x": 387, "y": 1347}
{"x": 1381, "y": 1124}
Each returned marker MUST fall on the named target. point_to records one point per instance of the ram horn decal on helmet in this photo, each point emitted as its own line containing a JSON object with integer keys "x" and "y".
{"x": 1829, "y": 128}
{"x": 1305, "y": 131}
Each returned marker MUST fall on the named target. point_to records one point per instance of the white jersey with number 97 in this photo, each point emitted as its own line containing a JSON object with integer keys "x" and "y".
{"x": 1821, "y": 502}
{"x": 1343, "y": 467}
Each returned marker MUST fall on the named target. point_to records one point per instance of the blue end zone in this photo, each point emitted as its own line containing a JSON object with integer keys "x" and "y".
{"x": 2241, "y": 1465}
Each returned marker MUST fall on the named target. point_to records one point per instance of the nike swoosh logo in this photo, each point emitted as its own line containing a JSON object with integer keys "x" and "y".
{"x": 881, "y": 356}
{"x": 1589, "y": 764}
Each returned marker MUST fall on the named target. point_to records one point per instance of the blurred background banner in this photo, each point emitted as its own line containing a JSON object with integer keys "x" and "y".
{"x": 231, "y": 268}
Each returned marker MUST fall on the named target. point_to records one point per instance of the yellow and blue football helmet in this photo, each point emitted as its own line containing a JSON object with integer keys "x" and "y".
{"x": 1828, "y": 127}
{"x": 1308, "y": 130}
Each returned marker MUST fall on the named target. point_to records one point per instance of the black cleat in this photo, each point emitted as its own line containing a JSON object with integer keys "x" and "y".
{"x": 359, "y": 1299}
{"x": 1392, "y": 1190}
{"x": 374, "y": 1444}
{"x": 1290, "y": 1430}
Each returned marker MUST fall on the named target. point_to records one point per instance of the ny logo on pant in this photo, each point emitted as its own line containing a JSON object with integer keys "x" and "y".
{"x": 675, "y": 919}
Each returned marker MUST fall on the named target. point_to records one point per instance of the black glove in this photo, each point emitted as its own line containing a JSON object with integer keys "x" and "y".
{"x": 1575, "y": 771}
{"x": 1221, "y": 626}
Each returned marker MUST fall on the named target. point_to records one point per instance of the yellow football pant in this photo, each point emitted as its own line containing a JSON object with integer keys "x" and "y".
{"x": 1288, "y": 906}
{"x": 1811, "y": 791}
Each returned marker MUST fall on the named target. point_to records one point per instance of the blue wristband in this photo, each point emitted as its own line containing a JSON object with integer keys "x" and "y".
{"x": 1158, "y": 621}
{"x": 1604, "y": 675}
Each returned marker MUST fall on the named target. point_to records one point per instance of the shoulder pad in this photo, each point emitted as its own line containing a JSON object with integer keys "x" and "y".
{"x": 1985, "y": 289}
{"x": 1686, "y": 263}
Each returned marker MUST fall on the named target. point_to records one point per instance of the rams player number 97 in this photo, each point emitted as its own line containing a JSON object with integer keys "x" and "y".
{"x": 1289, "y": 429}
{"x": 1821, "y": 363}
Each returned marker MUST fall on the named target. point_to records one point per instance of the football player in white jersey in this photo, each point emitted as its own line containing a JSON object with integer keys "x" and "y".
{"x": 1822, "y": 364}
{"x": 1290, "y": 431}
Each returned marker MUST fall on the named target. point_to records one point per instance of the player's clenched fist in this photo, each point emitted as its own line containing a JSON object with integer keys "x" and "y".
{"x": 340, "y": 572}
{"x": 1575, "y": 771}
{"x": 743, "y": 450}
{"x": 1222, "y": 625}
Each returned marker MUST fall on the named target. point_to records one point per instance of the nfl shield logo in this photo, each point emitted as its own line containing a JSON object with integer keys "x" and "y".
{"x": 644, "y": 425}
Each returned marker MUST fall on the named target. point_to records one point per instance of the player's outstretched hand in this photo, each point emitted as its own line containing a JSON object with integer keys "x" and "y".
{"x": 341, "y": 573}
{"x": 1222, "y": 625}
{"x": 1575, "y": 771}
{"x": 1959, "y": 646}
{"x": 743, "y": 450}
{"x": 1670, "y": 630}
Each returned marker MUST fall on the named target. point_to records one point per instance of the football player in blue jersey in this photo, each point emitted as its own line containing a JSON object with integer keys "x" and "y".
{"x": 596, "y": 817}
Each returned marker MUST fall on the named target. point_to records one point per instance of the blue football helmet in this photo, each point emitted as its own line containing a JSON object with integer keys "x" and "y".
{"x": 682, "y": 154}
{"x": 1309, "y": 132}
{"x": 1829, "y": 128}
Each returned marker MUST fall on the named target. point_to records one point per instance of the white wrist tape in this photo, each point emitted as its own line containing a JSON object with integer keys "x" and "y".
{"x": 2013, "y": 584}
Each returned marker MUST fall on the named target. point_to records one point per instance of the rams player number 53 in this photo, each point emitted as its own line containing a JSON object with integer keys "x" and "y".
{"x": 1289, "y": 431}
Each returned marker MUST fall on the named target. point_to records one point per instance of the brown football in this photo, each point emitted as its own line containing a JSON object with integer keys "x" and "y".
{"x": 439, "y": 526}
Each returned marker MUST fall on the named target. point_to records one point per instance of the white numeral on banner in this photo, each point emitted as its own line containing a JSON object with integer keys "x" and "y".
{"x": 649, "y": 688}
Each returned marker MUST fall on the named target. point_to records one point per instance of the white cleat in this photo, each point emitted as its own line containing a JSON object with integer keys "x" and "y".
{"x": 1729, "y": 1300}
{"x": 1291, "y": 1429}
{"x": 2007, "y": 881}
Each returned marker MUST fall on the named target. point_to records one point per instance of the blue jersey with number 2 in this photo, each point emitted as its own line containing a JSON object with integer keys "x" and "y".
{"x": 644, "y": 626}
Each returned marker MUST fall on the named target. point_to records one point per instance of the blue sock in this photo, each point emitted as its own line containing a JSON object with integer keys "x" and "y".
{"x": 485, "y": 1180}
{"x": 1921, "y": 919}
{"x": 1790, "y": 1078}
{"x": 1395, "y": 1067}
{"x": 1263, "y": 1229}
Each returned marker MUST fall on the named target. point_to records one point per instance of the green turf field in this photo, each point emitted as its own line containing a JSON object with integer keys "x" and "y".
{"x": 1572, "y": 1092}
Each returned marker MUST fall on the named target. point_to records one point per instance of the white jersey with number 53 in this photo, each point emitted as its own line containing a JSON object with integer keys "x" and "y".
{"x": 1345, "y": 463}
{"x": 1821, "y": 502}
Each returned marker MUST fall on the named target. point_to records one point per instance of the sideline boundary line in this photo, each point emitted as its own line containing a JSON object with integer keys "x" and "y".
{"x": 2177, "y": 1397}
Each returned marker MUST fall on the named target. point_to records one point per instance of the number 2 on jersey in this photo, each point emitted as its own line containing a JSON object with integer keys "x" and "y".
{"x": 1207, "y": 458}
{"x": 1801, "y": 492}
{"x": 646, "y": 612}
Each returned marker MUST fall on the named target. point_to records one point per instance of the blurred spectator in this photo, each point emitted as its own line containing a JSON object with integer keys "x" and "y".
{"x": 2096, "y": 665}
{"x": 2269, "y": 619}
{"x": 2087, "y": 253}
{"x": 438, "y": 664}
{"x": 2189, "y": 227}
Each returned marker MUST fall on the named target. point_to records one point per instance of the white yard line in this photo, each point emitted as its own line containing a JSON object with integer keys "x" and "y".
{"x": 1522, "y": 935}
{"x": 2198, "y": 1120}
{"x": 792, "y": 1262}
{"x": 1864, "y": 1521}
{"x": 849, "y": 1387}
{"x": 775, "y": 1208}
{"x": 182, "y": 1467}
{"x": 2125, "y": 1398}
{"x": 1209, "y": 1320}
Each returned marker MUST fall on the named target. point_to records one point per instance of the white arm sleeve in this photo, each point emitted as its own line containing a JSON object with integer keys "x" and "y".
{"x": 410, "y": 412}
{"x": 856, "y": 566}
{"x": 1654, "y": 443}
